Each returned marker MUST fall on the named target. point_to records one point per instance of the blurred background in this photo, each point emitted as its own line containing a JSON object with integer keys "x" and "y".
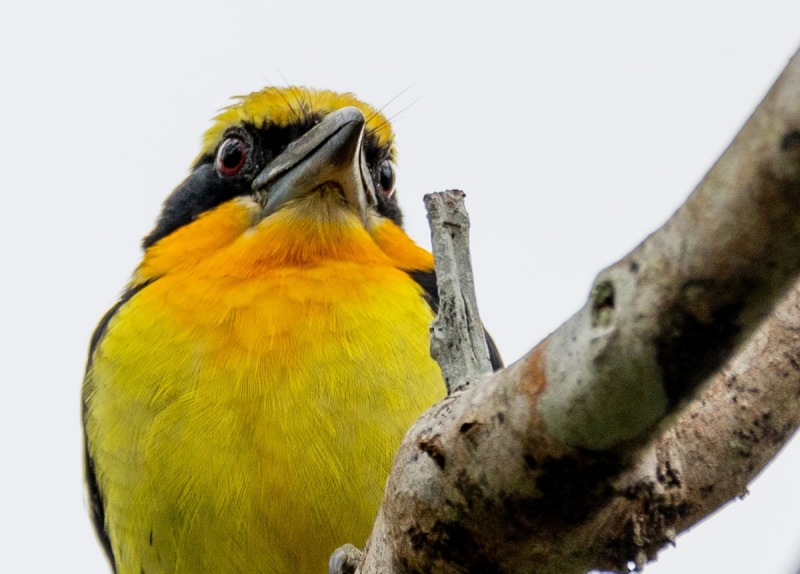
{"x": 575, "y": 128}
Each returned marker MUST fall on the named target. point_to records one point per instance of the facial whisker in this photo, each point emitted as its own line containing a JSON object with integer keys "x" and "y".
{"x": 384, "y": 106}
{"x": 297, "y": 97}
{"x": 393, "y": 116}
{"x": 309, "y": 108}
{"x": 286, "y": 100}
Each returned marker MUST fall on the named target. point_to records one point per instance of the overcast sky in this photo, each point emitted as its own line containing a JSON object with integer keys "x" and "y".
{"x": 576, "y": 128}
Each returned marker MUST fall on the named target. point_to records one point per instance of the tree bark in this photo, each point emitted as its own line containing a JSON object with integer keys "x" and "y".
{"x": 650, "y": 408}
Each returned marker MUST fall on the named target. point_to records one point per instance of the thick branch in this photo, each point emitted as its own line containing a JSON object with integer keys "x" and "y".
{"x": 662, "y": 320}
{"x": 546, "y": 466}
{"x": 715, "y": 447}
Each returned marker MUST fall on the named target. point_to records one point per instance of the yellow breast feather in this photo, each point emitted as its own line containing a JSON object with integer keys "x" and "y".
{"x": 252, "y": 396}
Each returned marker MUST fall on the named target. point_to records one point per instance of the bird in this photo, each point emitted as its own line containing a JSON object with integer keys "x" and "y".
{"x": 244, "y": 397}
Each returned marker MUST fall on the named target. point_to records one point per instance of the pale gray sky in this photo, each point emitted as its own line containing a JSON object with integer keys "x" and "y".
{"x": 575, "y": 128}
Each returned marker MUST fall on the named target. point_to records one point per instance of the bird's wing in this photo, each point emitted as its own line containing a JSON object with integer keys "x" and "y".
{"x": 427, "y": 280}
{"x": 95, "y": 496}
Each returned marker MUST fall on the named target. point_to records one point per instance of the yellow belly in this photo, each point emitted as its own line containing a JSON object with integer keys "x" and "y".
{"x": 247, "y": 424}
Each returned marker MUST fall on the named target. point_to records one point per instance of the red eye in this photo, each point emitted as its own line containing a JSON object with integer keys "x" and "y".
{"x": 386, "y": 178}
{"x": 231, "y": 156}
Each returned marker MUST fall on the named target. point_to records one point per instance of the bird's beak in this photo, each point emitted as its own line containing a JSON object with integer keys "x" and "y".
{"x": 328, "y": 154}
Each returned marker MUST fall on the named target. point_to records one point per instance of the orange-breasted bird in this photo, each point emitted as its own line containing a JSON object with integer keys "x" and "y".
{"x": 244, "y": 398}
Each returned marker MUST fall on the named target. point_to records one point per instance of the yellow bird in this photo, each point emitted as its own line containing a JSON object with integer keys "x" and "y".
{"x": 244, "y": 398}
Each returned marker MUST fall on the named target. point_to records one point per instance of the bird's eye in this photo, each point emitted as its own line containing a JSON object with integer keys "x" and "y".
{"x": 231, "y": 156}
{"x": 386, "y": 177}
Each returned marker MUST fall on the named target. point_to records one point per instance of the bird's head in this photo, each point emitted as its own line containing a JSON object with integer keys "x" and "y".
{"x": 307, "y": 155}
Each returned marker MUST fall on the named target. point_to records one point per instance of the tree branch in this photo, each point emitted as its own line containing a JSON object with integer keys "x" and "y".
{"x": 595, "y": 449}
{"x": 457, "y": 340}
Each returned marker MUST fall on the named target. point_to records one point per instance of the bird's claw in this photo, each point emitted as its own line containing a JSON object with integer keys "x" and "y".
{"x": 344, "y": 560}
